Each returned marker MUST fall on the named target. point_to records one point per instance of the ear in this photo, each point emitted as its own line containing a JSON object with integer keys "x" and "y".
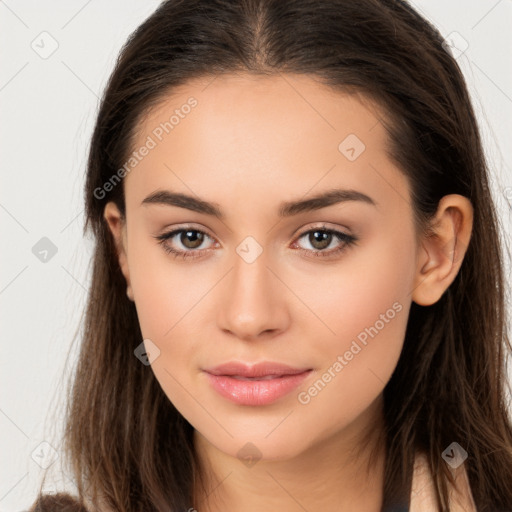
{"x": 117, "y": 225}
{"x": 442, "y": 250}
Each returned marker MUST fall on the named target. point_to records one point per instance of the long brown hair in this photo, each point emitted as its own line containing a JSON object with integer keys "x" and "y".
{"x": 125, "y": 440}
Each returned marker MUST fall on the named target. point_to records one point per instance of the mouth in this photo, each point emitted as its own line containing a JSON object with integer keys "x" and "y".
{"x": 263, "y": 369}
{"x": 267, "y": 377}
{"x": 257, "y": 385}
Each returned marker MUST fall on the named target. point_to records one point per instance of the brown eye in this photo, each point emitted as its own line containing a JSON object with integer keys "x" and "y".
{"x": 320, "y": 239}
{"x": 184, "y": 242}
{"x": 191, "y": 239}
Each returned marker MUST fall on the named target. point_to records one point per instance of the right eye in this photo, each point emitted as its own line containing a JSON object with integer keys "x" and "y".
{"x": 189, "y": 238}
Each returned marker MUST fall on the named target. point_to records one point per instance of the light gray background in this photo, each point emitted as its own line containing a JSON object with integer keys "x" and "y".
{"x": 47, "y": 111}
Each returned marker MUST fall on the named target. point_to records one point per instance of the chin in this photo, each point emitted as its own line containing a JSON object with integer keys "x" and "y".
{"x": 257, "y": 446}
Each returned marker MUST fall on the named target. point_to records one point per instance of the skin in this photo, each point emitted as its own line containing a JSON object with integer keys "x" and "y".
{"x": 250, "y": 144}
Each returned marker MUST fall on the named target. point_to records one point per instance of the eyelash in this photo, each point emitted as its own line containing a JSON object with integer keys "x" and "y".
{"x": 348, "y": 240}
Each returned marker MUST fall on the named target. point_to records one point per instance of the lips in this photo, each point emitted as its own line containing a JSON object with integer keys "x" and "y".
{"x": 255, "y": 385}
{"x": 265, "y": 369}
{"x": 266, "y": 377}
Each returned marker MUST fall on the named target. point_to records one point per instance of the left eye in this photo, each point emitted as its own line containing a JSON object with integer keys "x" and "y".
{"x": 191, "y": 239}
{"x": 321, "y": 238}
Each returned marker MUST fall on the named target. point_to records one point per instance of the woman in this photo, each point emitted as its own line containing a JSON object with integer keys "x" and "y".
{"x": 298, "y": 293}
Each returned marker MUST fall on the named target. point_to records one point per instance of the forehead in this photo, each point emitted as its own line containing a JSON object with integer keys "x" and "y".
{"x": 285, "y": 133}
{"x": 266, "y": 104}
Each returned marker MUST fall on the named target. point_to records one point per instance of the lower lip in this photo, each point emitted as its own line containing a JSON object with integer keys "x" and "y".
{"x": 255, "y": 392}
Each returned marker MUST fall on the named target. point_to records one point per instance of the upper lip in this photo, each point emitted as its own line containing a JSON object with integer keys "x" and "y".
{"x": 262, "y": 369}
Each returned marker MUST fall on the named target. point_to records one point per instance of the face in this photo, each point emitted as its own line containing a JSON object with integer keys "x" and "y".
{"x": 322, "y": 286}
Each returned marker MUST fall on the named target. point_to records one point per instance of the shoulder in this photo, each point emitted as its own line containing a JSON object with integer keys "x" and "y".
{"x": 423, "y": 497}
{"x": 61, "y": 502}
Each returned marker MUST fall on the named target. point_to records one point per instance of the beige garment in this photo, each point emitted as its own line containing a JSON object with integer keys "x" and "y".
{"x": 423, "y": 494}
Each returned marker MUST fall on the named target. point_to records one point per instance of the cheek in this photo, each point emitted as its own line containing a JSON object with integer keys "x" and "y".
{"x": 168, "y": 301}
{"x": 365, "y": 304}
{"x": 358, "y": 361}
{"x": 164, "y": 292}
{"x": 368, "y": 287}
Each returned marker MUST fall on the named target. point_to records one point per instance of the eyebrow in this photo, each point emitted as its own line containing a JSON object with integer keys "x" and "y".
{"x": 286, "y": 209}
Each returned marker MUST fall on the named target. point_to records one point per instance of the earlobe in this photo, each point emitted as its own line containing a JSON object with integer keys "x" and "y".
{"x": 117, "y": 226}
{"x": 442, "y": 251}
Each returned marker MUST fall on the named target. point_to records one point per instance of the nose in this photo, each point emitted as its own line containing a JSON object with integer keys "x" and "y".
{"x": 252, "y": 304}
